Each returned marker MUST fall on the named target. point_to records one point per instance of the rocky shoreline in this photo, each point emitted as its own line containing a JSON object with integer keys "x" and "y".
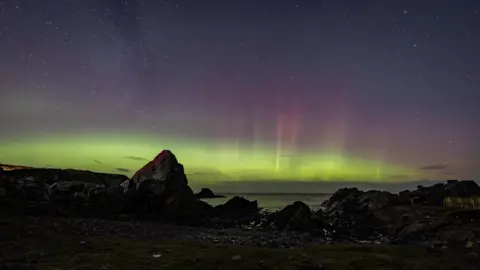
{"x": 159, "y": 198}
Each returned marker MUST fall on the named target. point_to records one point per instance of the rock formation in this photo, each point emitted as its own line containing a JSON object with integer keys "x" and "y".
{"x": 162, "y": 188}
{"x": 237, "y": 207}
{"x": 49, "y": 190}
{"x": 296, "y": 216}
{"x": 207, "y": 193}
{"x": 158, "y": 190}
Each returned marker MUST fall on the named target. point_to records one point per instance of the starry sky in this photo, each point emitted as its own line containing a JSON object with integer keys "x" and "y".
{"x": 244, "y": 91}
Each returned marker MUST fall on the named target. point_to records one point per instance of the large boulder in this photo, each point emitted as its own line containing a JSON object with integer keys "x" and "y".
{"x": 162, "y": 168}
{"x": 237, "y": 207}
{"x": 358, "y": 214}
{"x": 457, "y": 228}
{"x": 161, "y": 188}
{"x": 348, "y": 201}
{"x": 296, "y": 216}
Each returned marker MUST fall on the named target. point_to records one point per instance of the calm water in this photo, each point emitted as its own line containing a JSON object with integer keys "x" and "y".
{"x": 274, "y": 202}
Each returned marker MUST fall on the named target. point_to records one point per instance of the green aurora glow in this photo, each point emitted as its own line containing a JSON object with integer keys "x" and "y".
{"x": 205, "y": 161}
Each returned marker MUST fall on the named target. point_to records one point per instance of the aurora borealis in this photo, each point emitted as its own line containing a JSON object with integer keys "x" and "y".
{"x": 218, "y": 162}
{"x": 251, "y": 91}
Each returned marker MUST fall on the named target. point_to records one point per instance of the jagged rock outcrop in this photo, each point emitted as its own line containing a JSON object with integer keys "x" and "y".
{"x": 206, "y": 193}
{"x": 158, "y": 189}
{"x": 162, "y": 188}
{"x": 237, "y": 207}
{"x": 37, "y": 191}
{"x": 434, "y": 195}
{"x": 360, "y": 214}
{"x": 297, "y": 217}
{"x": 417, "y": 216}
{"x": 352, "y": 201}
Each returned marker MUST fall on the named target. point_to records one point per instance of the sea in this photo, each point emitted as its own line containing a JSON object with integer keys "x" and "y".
{"x": 275, "y": 201}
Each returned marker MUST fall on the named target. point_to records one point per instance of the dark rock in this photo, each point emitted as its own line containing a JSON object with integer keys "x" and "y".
{"x": 158, "y": 189}
{"x": 348, "y": 201}
{"x": 435, "y": 195}
{"x": 72, "y": 191}
{"x": 160, "y": 169}
{"x": 237, "y": 207}
{"x": 456, "y": 229}
{"x": 465, "y": 188}
{"x": 207, "y": 193}
{"x": 296, "y": 216}
{"x": 307, "y": 265}
{"x": 161, "y": 188}
{"x": 352, "y": 213}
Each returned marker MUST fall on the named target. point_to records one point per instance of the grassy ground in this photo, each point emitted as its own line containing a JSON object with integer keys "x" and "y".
{"x": 46, "y": 249}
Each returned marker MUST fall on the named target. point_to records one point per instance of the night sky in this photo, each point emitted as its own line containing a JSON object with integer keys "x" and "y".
{"x": 247, "y": 91}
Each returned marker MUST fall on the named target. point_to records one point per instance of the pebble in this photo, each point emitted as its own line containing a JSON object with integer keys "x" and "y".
{"x": 237, "y": 258}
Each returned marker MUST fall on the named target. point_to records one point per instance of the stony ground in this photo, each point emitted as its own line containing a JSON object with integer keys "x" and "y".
{"x": 61, "y": 243}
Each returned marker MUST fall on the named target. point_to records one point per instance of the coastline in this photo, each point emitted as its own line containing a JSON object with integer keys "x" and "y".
{"x": 91, "y": 212}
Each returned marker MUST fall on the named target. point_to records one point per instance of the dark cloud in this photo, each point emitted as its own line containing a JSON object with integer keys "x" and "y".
{"x": 122, "y": 170}
{"x": 434, "y": 167}
{"x": 136, "y": 158}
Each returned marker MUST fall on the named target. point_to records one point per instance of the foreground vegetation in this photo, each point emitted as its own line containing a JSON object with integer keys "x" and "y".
{"x": 45, "y": 248}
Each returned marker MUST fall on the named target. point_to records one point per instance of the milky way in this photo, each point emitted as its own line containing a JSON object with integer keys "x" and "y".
{"x": 244, "y": 90}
